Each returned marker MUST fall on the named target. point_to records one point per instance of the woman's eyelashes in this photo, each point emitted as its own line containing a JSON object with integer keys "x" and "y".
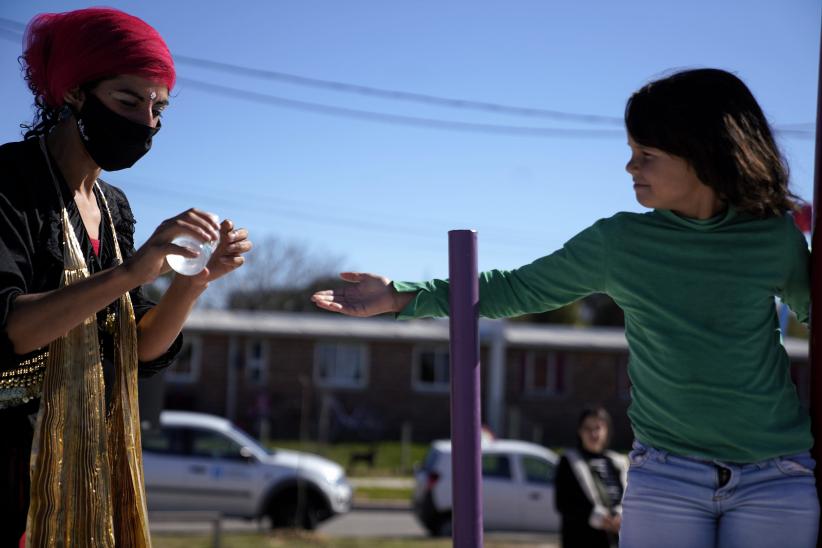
{"x": 132, "y": 105}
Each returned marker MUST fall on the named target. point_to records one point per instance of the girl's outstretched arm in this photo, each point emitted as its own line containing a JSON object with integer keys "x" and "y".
{"x": 578, "y": 269}
{"x": 365, "y": 295}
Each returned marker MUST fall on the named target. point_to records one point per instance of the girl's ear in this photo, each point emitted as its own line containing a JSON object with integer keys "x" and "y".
{"x": 75, "y": 97}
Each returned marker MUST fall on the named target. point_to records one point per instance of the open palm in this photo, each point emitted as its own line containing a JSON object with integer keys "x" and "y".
{"x": 365, "y": 295}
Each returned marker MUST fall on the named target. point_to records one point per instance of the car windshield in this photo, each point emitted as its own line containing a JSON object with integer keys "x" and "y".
{"x": 247, "y": 441}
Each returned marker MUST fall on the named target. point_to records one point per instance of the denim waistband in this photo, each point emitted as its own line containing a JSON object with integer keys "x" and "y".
{"x": 663, "y": 455}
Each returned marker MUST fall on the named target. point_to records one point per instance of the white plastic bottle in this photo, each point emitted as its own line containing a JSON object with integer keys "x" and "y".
{"x": 191, "y": 266}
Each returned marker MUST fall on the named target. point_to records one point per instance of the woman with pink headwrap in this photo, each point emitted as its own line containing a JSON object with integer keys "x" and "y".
{"x": 75, "y": 327}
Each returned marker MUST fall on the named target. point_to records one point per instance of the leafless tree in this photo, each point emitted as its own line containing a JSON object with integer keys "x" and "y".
{"x": 276, "y": 270}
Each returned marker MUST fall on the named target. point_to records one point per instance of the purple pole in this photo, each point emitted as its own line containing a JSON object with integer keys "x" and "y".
{"x": 466, "y": 456}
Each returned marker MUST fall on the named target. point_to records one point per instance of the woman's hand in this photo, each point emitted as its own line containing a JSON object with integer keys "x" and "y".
{"x": 612, "y": 523}
{"x": 229, "y": 253}
{"x": 149, "y": 262}
{"x": 160, "y": 326}
{"x": 367, "y": 295}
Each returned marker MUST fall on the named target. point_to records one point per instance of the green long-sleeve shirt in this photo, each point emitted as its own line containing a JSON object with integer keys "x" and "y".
{"x": 710, "y": 377}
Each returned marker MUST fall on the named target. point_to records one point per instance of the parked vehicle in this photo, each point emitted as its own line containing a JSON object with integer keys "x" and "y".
{"x": 517, "y": 487}
{"x": 194, "y": 461}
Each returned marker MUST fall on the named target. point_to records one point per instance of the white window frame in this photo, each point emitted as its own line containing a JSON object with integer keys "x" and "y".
{"x": 193, "y": 375}
{"x": 416, "y": 369}
{"x": 552, "y": 364}
{"x": 247, "y": 361}
{"x": 337, "y": 382}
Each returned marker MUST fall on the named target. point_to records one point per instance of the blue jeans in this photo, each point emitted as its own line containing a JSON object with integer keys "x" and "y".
{"x": 683, "y": 502}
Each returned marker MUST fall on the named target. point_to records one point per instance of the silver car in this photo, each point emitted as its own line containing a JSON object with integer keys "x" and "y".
{"x": 194, "y": 461}
{"x": 517, "y": 487}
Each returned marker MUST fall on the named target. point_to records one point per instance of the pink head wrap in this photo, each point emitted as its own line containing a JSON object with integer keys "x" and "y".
{"x": 64, "y": 50}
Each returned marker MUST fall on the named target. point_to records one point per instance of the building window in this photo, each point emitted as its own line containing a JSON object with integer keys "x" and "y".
{"x": 341, "y": 365}
{"x": 623, "y": 380}
{"x": 186, "y": 366}
{"x": 256, "y": 361}
{"x": 544, "y": 373}
{"x": 431, "y": 371}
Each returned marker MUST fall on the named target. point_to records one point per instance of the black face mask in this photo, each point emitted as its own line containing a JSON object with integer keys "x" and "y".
{"x": 113, "y": 141}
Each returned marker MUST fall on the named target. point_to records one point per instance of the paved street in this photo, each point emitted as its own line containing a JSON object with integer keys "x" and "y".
{"x": 374, "y": 523}
{"x": 361, "y": 524}
{"x": 401, "y": 524}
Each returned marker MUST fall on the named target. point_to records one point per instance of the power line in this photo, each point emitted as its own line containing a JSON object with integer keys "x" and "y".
{"x": 13, "y": 23}
{"x": 804, "y": 134}
{"x": 809, "y": 126}
{"x": 11, "y": 36}
{"x": 382, "y": 93}
{"x": 329, "y": 220}
{"x": 431, "y": 123}
{"x": 282, "y": 202}
{"x": 395, "y": 119}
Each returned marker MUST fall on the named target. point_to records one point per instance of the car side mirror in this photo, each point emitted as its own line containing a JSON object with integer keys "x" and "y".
{"x": 247, "y": 455}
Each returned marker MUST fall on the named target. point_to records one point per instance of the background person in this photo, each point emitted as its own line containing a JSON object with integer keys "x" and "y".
{"x": 589, "y": 485}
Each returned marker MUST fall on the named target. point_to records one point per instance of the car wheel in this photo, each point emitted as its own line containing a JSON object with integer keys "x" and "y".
{"x": 311, "y": 517}
{"x": 285, "y": 514}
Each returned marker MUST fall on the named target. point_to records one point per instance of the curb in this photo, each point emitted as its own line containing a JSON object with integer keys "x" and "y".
{"x": 382, "y": 505}
{"x": 385, "y": 482}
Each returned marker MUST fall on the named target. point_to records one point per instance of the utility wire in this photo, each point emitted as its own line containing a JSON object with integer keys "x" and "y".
{"x": 268, "y": 207}
{"x": 382, "y": 93}
{"x": 370, "y": 91}
{"x": 238, "y": 192}
{"x": 395, "y": 118}
{"x": 11, "y": 36}
{"x": 12, "y": 23}
{"x": 431, "y": 123}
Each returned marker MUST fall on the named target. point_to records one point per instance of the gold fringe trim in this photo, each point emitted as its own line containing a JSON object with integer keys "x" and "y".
{"x": 87, "y": 487}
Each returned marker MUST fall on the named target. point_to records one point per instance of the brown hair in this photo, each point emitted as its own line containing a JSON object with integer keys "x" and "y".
{"x": 600, "y": 413}
{"x": 710, "y": 118}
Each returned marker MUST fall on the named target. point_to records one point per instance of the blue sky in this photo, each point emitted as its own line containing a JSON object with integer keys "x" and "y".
{"x": 383, "y": 196}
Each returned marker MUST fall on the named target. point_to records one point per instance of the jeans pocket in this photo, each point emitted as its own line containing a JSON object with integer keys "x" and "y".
{"x": 638, "y": 455}
{"x": 801, "y": 464}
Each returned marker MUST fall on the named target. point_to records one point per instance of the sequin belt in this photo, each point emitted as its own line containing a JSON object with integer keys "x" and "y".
{"x": 24, "y": 382}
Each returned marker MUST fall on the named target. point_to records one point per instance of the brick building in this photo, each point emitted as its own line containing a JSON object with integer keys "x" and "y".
{"x": 281, "y": 375}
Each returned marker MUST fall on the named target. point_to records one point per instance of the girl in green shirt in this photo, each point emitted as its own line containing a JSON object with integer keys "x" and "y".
{"x": 721, "y": 452}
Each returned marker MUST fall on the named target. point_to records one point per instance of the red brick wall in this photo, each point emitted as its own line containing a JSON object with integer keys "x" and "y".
{"x": 389, "y": 399}
{"x": 590, "y": 378}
